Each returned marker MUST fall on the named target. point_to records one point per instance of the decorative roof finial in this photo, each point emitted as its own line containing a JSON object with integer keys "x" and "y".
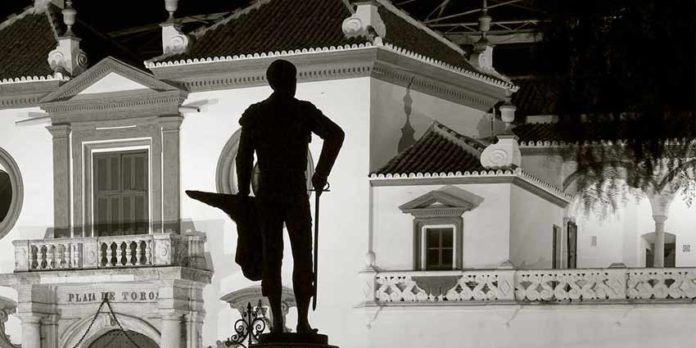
{"x": 484, "y": 27}
{"x": 171, "y": 6}
{"x": 507, "y": 114}
{"x": 69, "y": 14}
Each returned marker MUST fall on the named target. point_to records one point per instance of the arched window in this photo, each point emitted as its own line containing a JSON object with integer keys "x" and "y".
{"x": 11, "y": 192}
{"x": 226, "y": 172}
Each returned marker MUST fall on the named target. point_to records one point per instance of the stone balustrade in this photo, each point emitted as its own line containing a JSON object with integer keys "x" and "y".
{"x": 501, "y": 286}
{"x": 141, "y": 250}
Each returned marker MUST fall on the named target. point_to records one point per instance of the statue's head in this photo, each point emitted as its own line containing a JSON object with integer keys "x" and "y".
{"x": 282, "y": 76}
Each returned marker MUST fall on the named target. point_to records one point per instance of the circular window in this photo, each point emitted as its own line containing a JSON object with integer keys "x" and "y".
{"x": 11, "y": 192}
{"x": 226, "y": 173}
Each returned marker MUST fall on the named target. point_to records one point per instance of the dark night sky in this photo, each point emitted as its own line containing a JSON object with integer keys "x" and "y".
{"x": 112, "y": 16}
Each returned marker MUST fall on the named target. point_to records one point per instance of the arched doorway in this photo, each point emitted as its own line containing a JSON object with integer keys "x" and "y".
{"x": 118, "y": 339}
{"x": 669, "y": 253}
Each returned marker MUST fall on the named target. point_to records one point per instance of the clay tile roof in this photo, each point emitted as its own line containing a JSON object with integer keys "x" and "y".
{"x": 439, "y": 150}
{"x": 285, "y": 25}
{"x": 536, "y": 96}
{"x": 600, "y": 127}
{"x": 409, "y": 36}
{"x": 273, "y": 25}
{"x": 25, "y": 42}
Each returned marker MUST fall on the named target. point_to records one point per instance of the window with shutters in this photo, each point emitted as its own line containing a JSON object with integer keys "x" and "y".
{"x": 120, "y": 193}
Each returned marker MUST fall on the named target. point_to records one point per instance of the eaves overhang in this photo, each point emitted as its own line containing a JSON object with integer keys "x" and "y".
{"x": 381, "y": 61}
{"x": 516, "y": 177}
{"x": 27, "y": 92}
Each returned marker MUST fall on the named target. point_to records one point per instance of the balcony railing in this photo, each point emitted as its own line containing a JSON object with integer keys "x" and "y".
{"x": 531, "y": 286}
{"x": 142, "y": 250}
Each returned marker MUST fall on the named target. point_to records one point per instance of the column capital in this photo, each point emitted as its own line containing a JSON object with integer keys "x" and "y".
{"x": 60, "y": 130}
{"x": 170, "y": 123}
{"x": 660, "y": 218}
{"x": 29, "y": 318}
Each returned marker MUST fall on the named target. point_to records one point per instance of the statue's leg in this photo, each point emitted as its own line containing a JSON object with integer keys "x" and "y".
{"x": 271, "y": 216}
{"x": 299, "y": 223}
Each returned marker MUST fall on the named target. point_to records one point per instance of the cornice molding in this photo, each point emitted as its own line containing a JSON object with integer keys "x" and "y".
{"x": 100, "y": 70}
{"x": 517, "y": 177}
{"x": 382, "y": 62}
{"x": 116, "y": 106}
{"x": 26, "y": 94}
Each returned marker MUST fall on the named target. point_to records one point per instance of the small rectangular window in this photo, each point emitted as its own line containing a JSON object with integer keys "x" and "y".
{"x": 439, "y": 248}
{"x": 121, "y": 193}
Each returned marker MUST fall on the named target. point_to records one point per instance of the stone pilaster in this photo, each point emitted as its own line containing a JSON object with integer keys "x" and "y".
{"x": 61, "y": 179}
{"x": 31, "y": 330}
{"x": 171, "y": 330}
{"x": 170, "y": 172}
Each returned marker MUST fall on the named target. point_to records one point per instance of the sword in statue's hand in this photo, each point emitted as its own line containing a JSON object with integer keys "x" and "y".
{"x": 317, "y": 194}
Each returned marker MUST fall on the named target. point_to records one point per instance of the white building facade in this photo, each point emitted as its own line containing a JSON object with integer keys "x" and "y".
{"x": 430, "y": 236}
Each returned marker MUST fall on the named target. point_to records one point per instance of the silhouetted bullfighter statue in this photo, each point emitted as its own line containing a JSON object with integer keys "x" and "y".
{"x": 279, "y": 130}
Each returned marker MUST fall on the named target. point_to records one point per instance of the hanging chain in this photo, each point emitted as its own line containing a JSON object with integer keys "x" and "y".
{"x": 105, "y": 300}
{"x": 92, "y": 323}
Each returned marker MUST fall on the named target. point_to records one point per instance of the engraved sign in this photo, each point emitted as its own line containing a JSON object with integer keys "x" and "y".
{"x": 96, "y": 296}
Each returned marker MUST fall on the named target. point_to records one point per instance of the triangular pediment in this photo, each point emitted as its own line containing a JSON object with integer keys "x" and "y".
{"x": 113, "y": 82}
{"x": 448, "y": 197}
{"x": 109, "y": 76}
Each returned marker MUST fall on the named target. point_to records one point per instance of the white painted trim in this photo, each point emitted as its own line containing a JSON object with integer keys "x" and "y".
{"x": 424, "y": 244}
{"x": 90, "y": 171}
{"x": 354, "y": 47}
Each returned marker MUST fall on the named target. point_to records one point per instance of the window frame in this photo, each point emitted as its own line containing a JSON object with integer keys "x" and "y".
{"x": 94, "y": 193}
{"x": 424, "y": 244}
{"x": 420, "y": 243}
{"x": 120, "y": 146}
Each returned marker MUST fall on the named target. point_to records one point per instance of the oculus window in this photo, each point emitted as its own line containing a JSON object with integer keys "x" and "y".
{"x": 11, "y": 192}
{"x": 226, "y": 172}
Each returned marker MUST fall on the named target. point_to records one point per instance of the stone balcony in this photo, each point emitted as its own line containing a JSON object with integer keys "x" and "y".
{"x": 509, "y": 286}
{"x": 83, "y": 253}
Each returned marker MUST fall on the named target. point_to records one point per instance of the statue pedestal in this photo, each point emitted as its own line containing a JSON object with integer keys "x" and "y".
{"x": 292, "y": 340}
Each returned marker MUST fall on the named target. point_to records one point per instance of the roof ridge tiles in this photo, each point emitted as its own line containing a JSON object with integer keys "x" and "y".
{"x": 389, "y": 6}
{"x": 470, "y": 144}
{"x": 17, "y": 16}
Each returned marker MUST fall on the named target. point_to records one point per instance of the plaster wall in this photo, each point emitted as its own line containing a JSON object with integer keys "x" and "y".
{"x": 534, "y": 326}
{"x": 547, "y": 167}
{"x": 344, "y": 210}
{"x": 31, "y": 148}
{"x": 389, "y": 117}
{"x": 485, "y": 234}
{"x": 531, "y": 229}
{"x": 619, "y": 234}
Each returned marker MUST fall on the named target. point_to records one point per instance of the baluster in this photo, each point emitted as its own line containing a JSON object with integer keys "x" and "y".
{"x": 65, "y": 254}
{"x": 119, "y": 254}
{"x": 148, "y": 252}
{"x": 138, "y": 250}
{"x": 111, "y": 253}
{"x": 34, "y": 255}
{"x": 45, "y": 257}
{"x": 127, "y": 257}
{"x": 49, "y": 256}
{"x": 75, "y": 257}
{"x": 102, "y": 254}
